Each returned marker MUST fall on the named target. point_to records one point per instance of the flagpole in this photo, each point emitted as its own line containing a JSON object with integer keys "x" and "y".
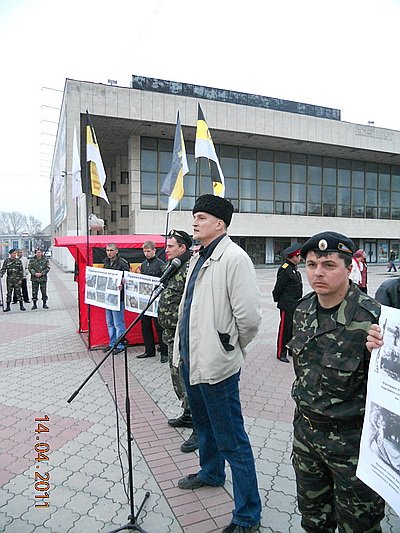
{"x": 86, "y": 167}
{"x": 166, "y": 229}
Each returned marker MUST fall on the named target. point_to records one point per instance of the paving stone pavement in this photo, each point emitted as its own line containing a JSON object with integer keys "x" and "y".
{"x": 76, "y": 466}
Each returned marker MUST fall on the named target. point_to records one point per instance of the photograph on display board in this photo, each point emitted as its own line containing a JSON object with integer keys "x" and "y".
{"x": 138, "y": 290}
{"x": 102, "y": 287}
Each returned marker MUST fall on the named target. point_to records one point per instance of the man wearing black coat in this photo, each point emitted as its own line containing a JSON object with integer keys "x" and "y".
{"x": 287, "y": 292}
{"x": 388, "y": 293}
{"x": 152, "y": 266}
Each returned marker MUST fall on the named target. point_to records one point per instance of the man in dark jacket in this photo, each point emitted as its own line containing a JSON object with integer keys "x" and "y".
{"x": 287, "y": 292}
{"x": 152, "y": 266}
{"x": 178, "y": 245}
{"x": 388, "y": 293}
{"x": 115, "y": 319}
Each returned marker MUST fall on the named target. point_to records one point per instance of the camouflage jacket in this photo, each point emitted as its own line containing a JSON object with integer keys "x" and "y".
{"x": 41, "y": 265}
{"x": 171, "y": 298}
{"x": 14, "y": 269}
{"x": 331, "y": 361}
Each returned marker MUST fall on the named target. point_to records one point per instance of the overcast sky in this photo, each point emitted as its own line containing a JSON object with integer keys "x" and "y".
{"x": 342, "y": 54}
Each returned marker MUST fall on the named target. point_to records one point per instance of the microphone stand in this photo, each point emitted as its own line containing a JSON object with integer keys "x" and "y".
{"x": 132, "y": 524}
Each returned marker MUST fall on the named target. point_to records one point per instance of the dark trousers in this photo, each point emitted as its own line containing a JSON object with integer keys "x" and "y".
{"x": 148, "y": 336}
{"x": 284, "y": 333}
{"x": 25, "y": 295}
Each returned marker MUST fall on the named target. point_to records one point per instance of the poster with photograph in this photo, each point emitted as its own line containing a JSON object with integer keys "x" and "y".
{"x": 379, "y": 462}
{"x": 138, "y": 289}
{"x": 101, "y": 287}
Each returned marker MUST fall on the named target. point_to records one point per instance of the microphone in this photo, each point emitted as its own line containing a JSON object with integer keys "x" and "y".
{"x": 170, "y": 271}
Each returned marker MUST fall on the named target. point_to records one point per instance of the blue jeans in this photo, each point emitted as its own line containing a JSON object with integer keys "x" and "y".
{"x": 217, "y": 417}
{"x": 115, "y": 325}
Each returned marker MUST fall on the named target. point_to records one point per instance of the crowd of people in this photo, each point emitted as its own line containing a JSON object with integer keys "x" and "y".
{"x": 209, "y": 312}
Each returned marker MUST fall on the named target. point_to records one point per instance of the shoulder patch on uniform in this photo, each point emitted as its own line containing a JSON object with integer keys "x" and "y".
{"x": 285, "y": 265}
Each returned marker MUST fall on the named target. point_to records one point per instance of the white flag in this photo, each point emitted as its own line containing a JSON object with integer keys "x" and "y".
{"x": 76, "y": 169}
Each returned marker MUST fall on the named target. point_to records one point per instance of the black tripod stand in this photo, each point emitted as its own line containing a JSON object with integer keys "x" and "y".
{"x": 132, "y": 524}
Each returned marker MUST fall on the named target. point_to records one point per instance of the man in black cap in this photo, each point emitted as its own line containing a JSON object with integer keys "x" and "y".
{"x": 219, "y": 316}
{"x": 287, "y": 292}
{"x": 331, "y": 362}
{"x": 178, "y": 246}
{"x": 13, "y": 267}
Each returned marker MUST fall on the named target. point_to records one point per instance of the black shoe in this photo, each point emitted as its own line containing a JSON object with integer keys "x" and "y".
{"x": 15, "y": 302}
{"x": 144, "y": 356}
{"x": 27, "y": 301}
{"x": 7, "y": 308}
{"x": 164, "y": 358}
{"x": 192, "y": 481}
{"x": 21, "y": 307}
{"x": 45, "y": 306}
{"x": 118, "y": 350}
{"x": 34, "y": 306}
{"x": 183, "y": 421}
{"x": 284, "y": 359}
{"x": 235, "y": 528}
{"x": 105, "y": 350}
{"x": 191, "y": 444}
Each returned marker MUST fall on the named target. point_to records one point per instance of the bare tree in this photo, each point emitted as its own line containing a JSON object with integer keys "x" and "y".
{"x": 33, "y": 225}
{"x": 14, "y": 223}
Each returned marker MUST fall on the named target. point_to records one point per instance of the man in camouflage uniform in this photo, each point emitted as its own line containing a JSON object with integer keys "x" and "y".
{"x": 39, "y": 267}
{"x": 178, "y": 245}
{"x": 331, "y": 365}
{"x": 15, "y": 274}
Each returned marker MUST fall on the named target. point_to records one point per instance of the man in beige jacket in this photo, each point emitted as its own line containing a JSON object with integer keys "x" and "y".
{"x": 219, "y": 316}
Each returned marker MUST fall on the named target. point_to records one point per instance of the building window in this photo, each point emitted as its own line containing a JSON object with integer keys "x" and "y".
{"x": 277, "y": 182}
{"x": 113, "y": 186}
{"x": 124, "y": 178}
{"x": 124, "y": 211}
{"x": 113, "y": 216}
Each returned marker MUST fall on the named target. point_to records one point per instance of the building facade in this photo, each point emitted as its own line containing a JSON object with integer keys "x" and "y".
{"x": 291, "y": 169}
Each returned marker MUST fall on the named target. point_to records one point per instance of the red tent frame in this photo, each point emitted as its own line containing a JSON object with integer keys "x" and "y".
{"x": 96, "y": 326}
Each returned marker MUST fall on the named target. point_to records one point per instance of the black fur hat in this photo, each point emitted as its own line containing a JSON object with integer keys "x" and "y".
{"x": 216, "y": 206}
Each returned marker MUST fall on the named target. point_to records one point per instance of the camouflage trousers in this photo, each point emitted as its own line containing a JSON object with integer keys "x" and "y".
{"x": 176, "y": 378}
{"x": 329, "y": 494}
{"x": 35, "y": 290}
{"x": 14, "y": 285}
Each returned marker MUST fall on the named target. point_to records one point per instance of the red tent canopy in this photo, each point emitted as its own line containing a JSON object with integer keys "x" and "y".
{"x": 130, "y": 248}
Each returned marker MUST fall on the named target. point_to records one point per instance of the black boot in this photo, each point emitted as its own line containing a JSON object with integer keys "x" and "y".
{"x": 191, "y": 444}
{"x": 7, "y": 308}
{"x": 34, "y": 306}
{"x": 21, "y": 306}
{"x": 45, "y": 306}
{"x": 183, "y": 421}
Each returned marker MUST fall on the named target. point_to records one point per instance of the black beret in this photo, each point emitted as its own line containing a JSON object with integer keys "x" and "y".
{"x": 181, "y": 236}
{"x": 328, "y": 241}
{"x": 292, "y": 250}
{"x": 216, "y": 206}
{"x": 12, "y": 250}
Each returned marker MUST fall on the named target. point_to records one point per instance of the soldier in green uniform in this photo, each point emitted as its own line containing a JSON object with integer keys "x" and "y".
{"x": 178, "y": 245}
{"x": 15, "y": 274}
{"x": 39, "y": 267}
{"x": 331, "y": 366}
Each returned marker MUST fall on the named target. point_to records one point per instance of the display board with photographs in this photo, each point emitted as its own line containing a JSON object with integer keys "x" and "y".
{"x": 102, "y": 287}
{"x": 379, "y": 461}
{"x": 138, "y": 290}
